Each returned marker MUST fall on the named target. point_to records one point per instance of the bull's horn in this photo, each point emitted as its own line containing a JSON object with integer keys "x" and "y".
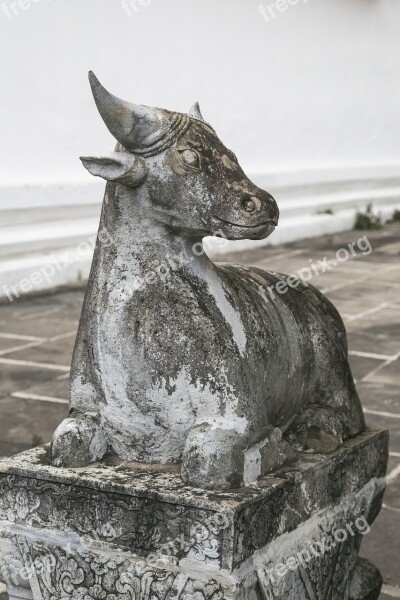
{"x": 135, "y": 126}
{"x": 195, "y": 112}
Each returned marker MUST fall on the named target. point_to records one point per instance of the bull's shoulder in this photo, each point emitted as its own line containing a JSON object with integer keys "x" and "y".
{"x": 276, "y": 283}
{"x": 260, "y": 278}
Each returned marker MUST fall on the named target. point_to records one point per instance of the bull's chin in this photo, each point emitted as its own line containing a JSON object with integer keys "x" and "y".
{"x": 232, "y": 231}
{"x": 262, "y": 233}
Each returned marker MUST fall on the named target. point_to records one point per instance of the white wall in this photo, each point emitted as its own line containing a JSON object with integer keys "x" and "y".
{"x": 316, "y": 87}
{"x": 309, "y": 101}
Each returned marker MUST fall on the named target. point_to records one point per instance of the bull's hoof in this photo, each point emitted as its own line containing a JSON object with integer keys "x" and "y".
{"x": 77, "y": 442}
{"x": 320, "y": 441}
{"x": 213, "y": 458}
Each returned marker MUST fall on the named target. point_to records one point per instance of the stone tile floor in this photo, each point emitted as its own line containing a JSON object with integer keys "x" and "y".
{"x": 37, "y": 336}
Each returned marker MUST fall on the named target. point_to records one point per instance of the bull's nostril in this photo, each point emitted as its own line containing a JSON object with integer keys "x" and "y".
{"x": 249, "y": 205}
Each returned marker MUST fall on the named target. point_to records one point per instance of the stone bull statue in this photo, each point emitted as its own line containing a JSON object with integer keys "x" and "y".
{"x": 204, "y": 367}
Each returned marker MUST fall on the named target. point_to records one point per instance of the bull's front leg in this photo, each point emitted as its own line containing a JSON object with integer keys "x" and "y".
{"x": 213, "y": 457}
{"x": 217, "y": 457}
{"x": 78, "y": 441}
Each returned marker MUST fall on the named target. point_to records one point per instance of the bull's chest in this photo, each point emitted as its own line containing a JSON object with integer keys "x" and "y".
{"x": 214, "y": 329}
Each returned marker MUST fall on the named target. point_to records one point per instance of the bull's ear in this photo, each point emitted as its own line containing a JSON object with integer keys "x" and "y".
{"x": 195, "y": 112}
{"x": 117, "y": 166}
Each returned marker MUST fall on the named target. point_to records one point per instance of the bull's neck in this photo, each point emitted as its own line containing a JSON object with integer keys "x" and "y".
{"x": 141, "y": 250}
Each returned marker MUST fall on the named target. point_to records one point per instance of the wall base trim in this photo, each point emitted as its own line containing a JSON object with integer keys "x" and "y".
{"x": 44, "y": 244}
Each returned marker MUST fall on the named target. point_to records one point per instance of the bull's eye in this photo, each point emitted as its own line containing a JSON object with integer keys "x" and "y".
{"x": 190, "y": 158}
{"x": 249, "y": 205}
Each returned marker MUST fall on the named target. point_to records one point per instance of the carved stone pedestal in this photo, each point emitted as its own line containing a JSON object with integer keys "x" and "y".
{"x": 133, "y": 533}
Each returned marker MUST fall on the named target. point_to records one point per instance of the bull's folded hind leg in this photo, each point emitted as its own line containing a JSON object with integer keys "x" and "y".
{"x": 335, "y": 416}
{"x": 332, "y": 410}
{"x": 317, "y": 429}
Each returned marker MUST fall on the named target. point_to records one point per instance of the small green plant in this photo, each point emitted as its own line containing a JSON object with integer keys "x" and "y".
{"x": 367, "y": 219}
{"x": 325, "y": 211}
{"x": 396, "y": 216}
{"x": 79, "y": 277}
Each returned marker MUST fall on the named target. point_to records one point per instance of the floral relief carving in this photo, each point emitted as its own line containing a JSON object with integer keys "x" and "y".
{"x": 17, "y": 503}
{"x": 63, "y": 575}
{"x": 146, "y": 527}
{"x": 13, "y": 571}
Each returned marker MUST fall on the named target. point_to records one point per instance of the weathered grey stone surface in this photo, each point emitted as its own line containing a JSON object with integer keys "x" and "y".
{"x": 371, "y": 312}
{"x": 130, "y": 531}
{"x": 185, "y": 395}
{"x": 206, "y": 368}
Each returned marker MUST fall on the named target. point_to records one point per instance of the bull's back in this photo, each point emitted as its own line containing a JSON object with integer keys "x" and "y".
{"x": 293, "y": 333}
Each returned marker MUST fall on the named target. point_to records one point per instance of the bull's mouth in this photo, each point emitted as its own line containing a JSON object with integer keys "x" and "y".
{"x": 268, "y": 223}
